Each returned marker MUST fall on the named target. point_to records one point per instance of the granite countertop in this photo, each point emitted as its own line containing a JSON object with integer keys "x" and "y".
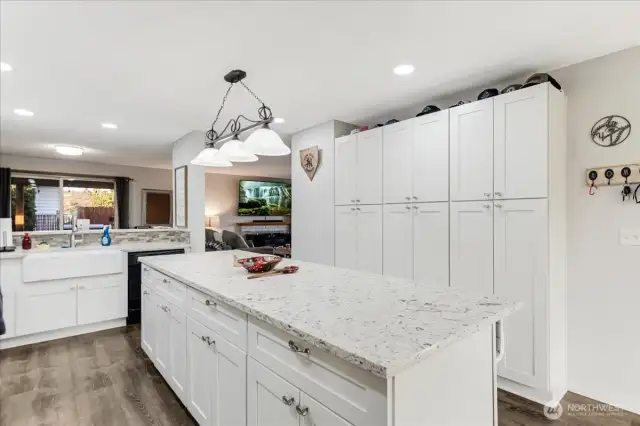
{"x": 381, "y": 324}
{"x": 125, "y": 247}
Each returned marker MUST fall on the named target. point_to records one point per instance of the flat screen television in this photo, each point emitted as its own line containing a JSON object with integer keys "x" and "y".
{"x": 259, "y": 198}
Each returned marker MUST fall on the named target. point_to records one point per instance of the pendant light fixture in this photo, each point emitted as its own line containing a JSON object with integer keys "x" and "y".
{"x": 221, "y": 149}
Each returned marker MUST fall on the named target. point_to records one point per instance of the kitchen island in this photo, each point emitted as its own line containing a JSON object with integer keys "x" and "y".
{"x": 325, "y": 346}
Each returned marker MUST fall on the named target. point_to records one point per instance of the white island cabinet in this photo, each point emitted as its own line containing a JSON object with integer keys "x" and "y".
{"x": 323, "y": 347}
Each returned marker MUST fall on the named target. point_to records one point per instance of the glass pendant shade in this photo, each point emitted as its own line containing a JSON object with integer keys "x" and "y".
{"x": 235, "y": 151}
{"x": 265, "y": 141}
{"x": 210, "y": 157}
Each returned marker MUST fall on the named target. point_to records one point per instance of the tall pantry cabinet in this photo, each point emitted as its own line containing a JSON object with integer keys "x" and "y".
{"x": 508, "y": 226}
{"x": 474, "y": 198}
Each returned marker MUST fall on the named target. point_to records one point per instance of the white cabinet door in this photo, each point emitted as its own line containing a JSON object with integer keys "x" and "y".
{"x": 46, "y": 306}
{"x": 472, "y": 246}
{"x": 162, "y": 320}
{"x": 369, "y": 167}
{"x": 346, "y": 226}
{"x": 397, "y": 143}
{"x": 520, "y": 147}
{"x": 201, "y": 364}
{"x": 398, "y": 240}
{"x": 271, "y": 400}
{"x": 9, "y": 314}
{"x": 521, "y": 274}
{"x": 147, "y": 333}
{"x": 316, "y": 414}
{"x": 471, "y": 148}
{"x": 346, "y": 162}
{"x": 431, "y": 243}
{"x": 369, "y": 239}
{"x": 178, "y": 352}
{"x": 101, "y": 298}
{"x": 229, "y": 383}
{"x": 430, "y": 157}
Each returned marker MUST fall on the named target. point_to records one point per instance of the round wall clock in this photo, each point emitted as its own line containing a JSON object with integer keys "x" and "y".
{"x": 611, "y": 130}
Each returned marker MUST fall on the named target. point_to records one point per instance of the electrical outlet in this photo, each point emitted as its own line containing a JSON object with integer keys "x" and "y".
{"x": 630, "y": 236}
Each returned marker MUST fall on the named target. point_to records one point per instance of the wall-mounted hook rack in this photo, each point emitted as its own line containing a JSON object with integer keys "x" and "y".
{"x": 614, "y": 175}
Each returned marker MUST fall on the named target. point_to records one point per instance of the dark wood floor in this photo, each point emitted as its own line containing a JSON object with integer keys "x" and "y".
{"x": 104, "y": 379}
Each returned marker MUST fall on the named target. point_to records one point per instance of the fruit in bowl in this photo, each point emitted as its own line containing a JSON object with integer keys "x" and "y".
{"x": 260, "y": 263}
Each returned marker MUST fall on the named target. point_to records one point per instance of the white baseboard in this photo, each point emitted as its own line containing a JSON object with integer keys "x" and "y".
{"x": 532, "y": 394}
{"x": 61, "y": 334}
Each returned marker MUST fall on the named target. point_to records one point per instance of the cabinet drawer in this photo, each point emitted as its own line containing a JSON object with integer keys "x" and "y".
{"x": 352, "y": 393}
{"x": 228, "y": 322}
{"x": 174, "y": 291}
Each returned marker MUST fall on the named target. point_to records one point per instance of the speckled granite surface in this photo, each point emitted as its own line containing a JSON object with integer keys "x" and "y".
{"x": 381, "y": 324}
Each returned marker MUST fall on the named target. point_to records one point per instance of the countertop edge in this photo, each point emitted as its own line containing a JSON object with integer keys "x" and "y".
{"x": 380, "y": 370}
{"x": 125, "y": 248}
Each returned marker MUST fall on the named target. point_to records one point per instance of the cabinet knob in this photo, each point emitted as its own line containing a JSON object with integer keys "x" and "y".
{"x": 499, "y": 194}
{"x": 415, "y": 207}
{"x": 353, "y": 209}
{"x": 407, "y": 198}
{"x": 486, "y": 206}
{"x": 407, "y": 207}
{"x": 211, "y": 303}
{"x": 288, "y": 400}
{"x": 73, "y": 287}
{"x": 498, "y": 205}
{"x": 415, "y": 198}
{"x": 353, "y": 201}
{"x": 296, "y": 348}
{"x": 303, "y": 411}
{"x": 145, "y": 292}
{"x": 357, "y": 201}
{"x": 487, "y": 194}
{"x": 358, "y": 208}
{"x": 166, "y": 281}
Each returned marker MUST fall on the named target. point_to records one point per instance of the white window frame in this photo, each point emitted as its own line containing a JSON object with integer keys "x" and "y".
{"x": 61, "y": 178}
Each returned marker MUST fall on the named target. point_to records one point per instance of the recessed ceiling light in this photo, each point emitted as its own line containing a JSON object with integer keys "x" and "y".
{"x": 69, "y": 150}
{"x": 23, "y": 112}
{"x": 404, "y": 69}
{"x": 5, "y": 67}
{"x": 278, "y": 120}
{"x": 109, "y": 126}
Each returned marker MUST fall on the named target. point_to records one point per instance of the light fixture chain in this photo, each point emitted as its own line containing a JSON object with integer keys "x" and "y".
{"x": 251, "y": 91}
{"x": 221, "y": 106}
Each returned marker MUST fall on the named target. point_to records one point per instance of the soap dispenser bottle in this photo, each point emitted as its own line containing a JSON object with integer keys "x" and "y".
{"x": 106, "y": 238}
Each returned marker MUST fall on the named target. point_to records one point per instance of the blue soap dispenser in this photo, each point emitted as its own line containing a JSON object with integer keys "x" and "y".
{"x": 106, "y": 238}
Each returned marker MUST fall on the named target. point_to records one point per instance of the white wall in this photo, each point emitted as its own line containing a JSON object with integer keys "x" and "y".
{"x": 221, "y": 198}
{"x": 143, "y": 178}
{"x": 604, "y": 284}
{"x": 312, "y": 215}
{"x": 185, "y": 149}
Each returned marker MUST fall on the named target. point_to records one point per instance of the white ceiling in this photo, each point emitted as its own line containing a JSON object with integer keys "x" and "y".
{"x": 155, "y": 68}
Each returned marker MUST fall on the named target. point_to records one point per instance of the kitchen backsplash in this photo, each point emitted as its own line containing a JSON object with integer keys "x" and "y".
{"x": 118, "y": 236}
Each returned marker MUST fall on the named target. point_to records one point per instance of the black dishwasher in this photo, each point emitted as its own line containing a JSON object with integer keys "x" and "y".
{"x": 135, "y": 281}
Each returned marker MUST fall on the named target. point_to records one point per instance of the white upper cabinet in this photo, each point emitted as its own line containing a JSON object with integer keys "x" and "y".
{"x": 346, "y": 162}
{"x": 520, "y": 143}
{"x": 472, "y": 246}
{"x": 471, "y": 151}
{"x": 430, "y": 157}
{"x": 398, "y": 238}
{"x": 346, "y": 238}
{"x": 398, "y": 152}
{"x": 369, "y": 239}
{"x": 431, "y": 243}
{"x": 521, "y": 273}
{"x": 369, "y": 167}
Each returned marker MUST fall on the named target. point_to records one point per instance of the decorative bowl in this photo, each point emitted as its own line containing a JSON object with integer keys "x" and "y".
{"x": 259, "y": 263}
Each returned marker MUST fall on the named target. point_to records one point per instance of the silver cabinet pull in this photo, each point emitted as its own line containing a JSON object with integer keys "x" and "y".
{"x": 353, "y": 209}
{"x": 208, "y": 340}
{"x": 499, "y": 194}
{"x": 353, "y": 201}
{"x": 303, "y": 411}
{"x": 487, "y": 194}
{"x": 288, "y": 400}
{"x": 296, "y": 348}
{"x": 415, "y": 198}
{"x": 407, "y": 207}
{"x": 498, "y": 205}
{"x": 357, "y": 201}
{"x": 145, "y": 292}
{"x": 166, "y": 281}
{"x": 407, "y": 198}
{"x": 486, "y": 206}
{"x": 211, "y": 303}
{"x": 358, "y": 208}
